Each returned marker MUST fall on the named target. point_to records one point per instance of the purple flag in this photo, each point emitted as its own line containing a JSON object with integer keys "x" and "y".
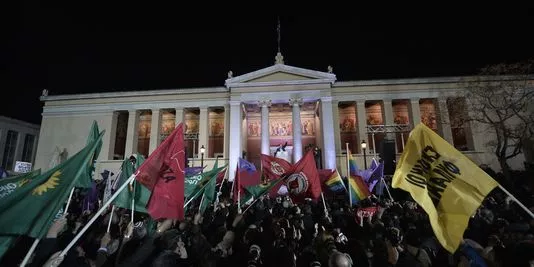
{"x": 192, "y": 171}
{"x": 245, "y": 165}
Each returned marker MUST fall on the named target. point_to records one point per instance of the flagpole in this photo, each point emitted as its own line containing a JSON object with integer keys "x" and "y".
{"x": 133, "y": 202}
{"x": 387, "y": 188}
{"x": 30, "y": 252}
{"x": 201, "y": 201}
{"x": 517, "y": 201}
{"x": 37, "y": 240}
{"x": 220, "y": 189}
{"x": 251, "y": 204}
{"x": 239, "y": 201}
{"x": 98, "y": 213}
{"x": 348, "y": 175}
{"x": 68, "y": 201}
{"x": 111, "y": 217}
{"x": 324, "y": 204}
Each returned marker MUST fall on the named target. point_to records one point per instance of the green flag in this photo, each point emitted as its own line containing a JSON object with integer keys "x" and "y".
{"x": 12, "y": 184}
{"x": 31, "y": 209}
{"x": 209, "y": 193}
{"x": 256, "y": 191}
{"x": 140, "y": 193}
{"x": 195, "y": 183}
{"x": 86, "y": 180}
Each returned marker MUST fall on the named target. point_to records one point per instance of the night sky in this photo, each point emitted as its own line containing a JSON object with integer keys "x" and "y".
{"x": 78, "y": 50}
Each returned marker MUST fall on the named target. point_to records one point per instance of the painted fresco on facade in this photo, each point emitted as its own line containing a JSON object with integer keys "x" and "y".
{"x": 374, "y": 113}
{"x": 347, "y": 119}
{"x": 428, "y": 113}
{"x": 168, "y": 121}
{"x": 400, "y": 112}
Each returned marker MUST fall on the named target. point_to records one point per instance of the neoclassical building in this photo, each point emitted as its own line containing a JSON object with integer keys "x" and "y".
{"x": 259, "y": 111}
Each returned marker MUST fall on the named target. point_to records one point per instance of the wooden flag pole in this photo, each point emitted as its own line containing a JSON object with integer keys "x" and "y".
{"x": 517, "y": 201}
{"x": 98, "y": 213}
{"x": 348, "y": 175}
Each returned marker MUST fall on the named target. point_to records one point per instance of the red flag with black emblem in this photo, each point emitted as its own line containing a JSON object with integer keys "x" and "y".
{"x": 273, "y": 168}
{"x": 163, "y": 173}
{"x": 303, "y": 179}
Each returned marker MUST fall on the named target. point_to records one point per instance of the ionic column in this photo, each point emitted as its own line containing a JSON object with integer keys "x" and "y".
{"x": 415, "y": 111}
{"x": 179, "y": 117}
{"x": 234, "y": 138}
{"x": 328, "y": 128}
{"x": 226, "y": 131}
{"x": 362, "y": 122}
{"x": 265, "y": 138}
{"x": 203, "y": 134}
{"x": 155, "y": 126}
{"x": 444, "y": 125}
{"x": 388, "y": 116}
{"x": 337, "y": 134}
{"x": 132, "y": 134}
{"x": 108, "y": 143}
{"x": 297, "y": 129}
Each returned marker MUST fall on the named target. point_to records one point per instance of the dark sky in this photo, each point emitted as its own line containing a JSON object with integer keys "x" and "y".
{"x": 79, "y": 50}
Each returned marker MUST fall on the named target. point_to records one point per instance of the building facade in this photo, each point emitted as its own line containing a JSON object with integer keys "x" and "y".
{"x": 258, "y": 112}
{"x": 18, "y": 142}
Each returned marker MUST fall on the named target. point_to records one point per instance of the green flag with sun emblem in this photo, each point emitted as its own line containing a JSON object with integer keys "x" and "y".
{"x": 33, "y": 206}
{"x": 9, "y": 186}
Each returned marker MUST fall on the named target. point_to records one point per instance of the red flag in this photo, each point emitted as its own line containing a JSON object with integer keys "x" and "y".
{"x": 273, "y": 168}
{"x": 220, "y": 176}
{"x": 243, "y": 179}
{"x": 303, "y": 179}
{"x": 163, "y": 173}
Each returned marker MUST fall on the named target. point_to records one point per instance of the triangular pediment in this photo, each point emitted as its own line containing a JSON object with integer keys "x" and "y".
{"x": 280, "y": 74}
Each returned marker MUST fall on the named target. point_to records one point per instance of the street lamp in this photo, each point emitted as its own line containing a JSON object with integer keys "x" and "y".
{"x": 364, "y": 146}
{"x": 202, "y": 150}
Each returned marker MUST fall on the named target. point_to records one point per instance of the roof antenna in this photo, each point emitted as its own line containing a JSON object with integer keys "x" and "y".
{"x": 279, "y": 59}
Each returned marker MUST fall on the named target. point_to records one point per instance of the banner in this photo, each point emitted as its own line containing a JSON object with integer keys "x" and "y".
{"x": 444, "y": 182}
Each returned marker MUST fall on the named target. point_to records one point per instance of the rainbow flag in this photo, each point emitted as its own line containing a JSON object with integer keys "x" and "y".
{"x": 334, "y": 182}
{"x": 352, "y": 164}
{"x": 358, "y": 188}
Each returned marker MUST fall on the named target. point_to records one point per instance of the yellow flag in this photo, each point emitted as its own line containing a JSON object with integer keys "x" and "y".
{"x": 444, "y": 182}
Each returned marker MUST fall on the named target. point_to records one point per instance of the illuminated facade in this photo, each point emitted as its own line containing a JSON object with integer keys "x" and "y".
{"x": 259, "y": 111}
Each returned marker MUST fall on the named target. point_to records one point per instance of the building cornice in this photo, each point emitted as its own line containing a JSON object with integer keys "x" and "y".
{"x": 19, "y": 122}
{"x": 430, "y": 80}
{"x": 200, "y": 90}
{"x": 107, "y": 108}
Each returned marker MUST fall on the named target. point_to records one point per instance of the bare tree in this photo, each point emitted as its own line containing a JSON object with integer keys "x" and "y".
{"x": 500, "y": 99}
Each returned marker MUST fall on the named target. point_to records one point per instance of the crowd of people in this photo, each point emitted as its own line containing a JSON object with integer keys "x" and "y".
{"x": 278, "y": 232}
